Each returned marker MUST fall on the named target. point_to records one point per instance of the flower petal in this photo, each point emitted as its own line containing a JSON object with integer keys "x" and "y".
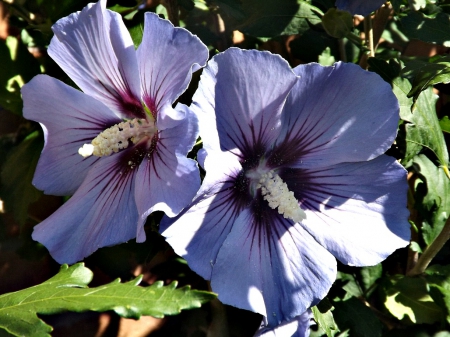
{"x": 101, "y": 213}
{"x": 361, "y": 7}
{"x": 168, "y": 181}
{"x": 69, "y": 119}
{"x": 199, "y": 231}
{"x": 246, "y": 89}
{"x": 167, "y": 57}
{"x": 355, "y": 210}
{"x": 95, "y": 49}
{"x": 298, "y": 327}
{"x": 328, "y": 119}
{"x": 282, "y": 269}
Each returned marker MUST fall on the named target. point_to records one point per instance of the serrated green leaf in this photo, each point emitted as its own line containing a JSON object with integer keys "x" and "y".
{"x": 68, "y": 291}
{"x": 358, "y": 318}
{"x": 426, "y": 74}
{"x": 16, "y": 176}
{"x": 325, "y": 321}
{"x": 422, "y": 128}
{"x": 337, "y": 23}
{"x": 429, "y": 29}
{"x": 432, "y": 202}
{"x": 410, "y": 297}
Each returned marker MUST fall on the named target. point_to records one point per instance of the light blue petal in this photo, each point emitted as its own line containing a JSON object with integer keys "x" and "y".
{"x": 272, "y": 267}
{"x": 69, "y": 119}
{"x": 199, "y": 231}
{"x": 246, "y": 89}
{"x": 167, "y": 57}
{"x": 328, "y": 119}
{"x": 298, "y": 327}
{"x": 168, "y": 181}
{"x": 95, "y": 49}
{"x": 361, "y": 7}
{"x": 101, "y": 213}
{"x": 355, "y": 210}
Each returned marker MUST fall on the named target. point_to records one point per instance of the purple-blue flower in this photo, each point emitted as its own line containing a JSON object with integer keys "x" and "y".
{"x": 361, "y": 7}
{"x": 296, "y": 177}
{"x": 118, "y": 145}
{"x": 298, "y": 327}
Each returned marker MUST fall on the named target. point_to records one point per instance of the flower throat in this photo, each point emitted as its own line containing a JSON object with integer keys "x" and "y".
{"x": 276, "y": 192}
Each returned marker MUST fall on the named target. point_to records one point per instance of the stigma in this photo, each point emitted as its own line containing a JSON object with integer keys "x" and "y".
{"x": 118, "y": 137}
{"x": 276, "y": 192}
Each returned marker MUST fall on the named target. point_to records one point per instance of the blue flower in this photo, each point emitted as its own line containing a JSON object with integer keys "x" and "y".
{"x": 298, "y": 327}
{"x": 361, "y": 7}
{"x": 118, "y": 146}
{"x": 296, "y": 177}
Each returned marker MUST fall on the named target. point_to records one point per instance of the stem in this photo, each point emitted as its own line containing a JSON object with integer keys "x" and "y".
{"x": 374, "y": 29}
{"x": 368, "y": 30}
{"x": 431, "y": 251}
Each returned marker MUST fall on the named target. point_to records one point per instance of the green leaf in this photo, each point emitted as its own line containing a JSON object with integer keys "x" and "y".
{"x": 136, "y": 28}
{"x": 426, "y": 74}
{"x": 429, "y": 29}
{"x": 370, "y": 275}
{"x": 325, "y": 321}
{"x": 432, "y": 197}
{"x": 351, "y": 285}
{"x": 68, "y": 291}
{"x": 18, "y": 66}
{"x": 317, "y": 41}
{"x": 422, "y": 126}
{"x": 388, "y": 71}
{"x": 326, "y": 59}
{"x": 17, "y": 174}
{"x": 438, "y": 277}
{"x": 271, "y": 18}
{"x": 445, "y": 124}
{"x": 410, "y": 297}
{"x": 358, "y": 318}
{"x": 337, "y": 23}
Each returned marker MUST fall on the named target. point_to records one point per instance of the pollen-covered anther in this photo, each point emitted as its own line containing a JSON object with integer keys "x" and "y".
{"x": 277, "y": 194}
{"x": 118, "y": 137}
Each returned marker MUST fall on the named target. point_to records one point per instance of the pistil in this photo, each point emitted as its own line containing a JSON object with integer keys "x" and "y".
{"x": 118, "y": 137}
{"x": 276, "y": 192}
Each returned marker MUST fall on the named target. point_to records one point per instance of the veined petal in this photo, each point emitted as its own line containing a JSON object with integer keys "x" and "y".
{"x": 167, "y": 57}
{"x": 361, "y": 7}
{"x": 282, "y": 269}
{"x": 247, "y": 89}
{"x": 355, "y": 210}
{"x": 201, "y": 228}
{"x": 298, "y": 327}
{"x": 70, "y": 119}
{"x": 102, "y": 212}
{"x": 168, "y": 181}
{"x": 328, "y": 119}
{"x": 95, "y": 49}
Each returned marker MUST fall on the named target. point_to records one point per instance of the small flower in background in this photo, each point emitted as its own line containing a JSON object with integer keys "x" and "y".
{"x": 361, "y": 7}
{"x": 295, "y": 178}
{"x": 119, "y": 147}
